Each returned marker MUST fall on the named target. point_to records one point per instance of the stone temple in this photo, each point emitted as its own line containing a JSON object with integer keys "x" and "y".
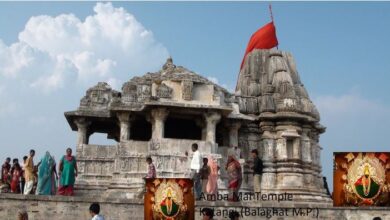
{"x": 161, "y": 114}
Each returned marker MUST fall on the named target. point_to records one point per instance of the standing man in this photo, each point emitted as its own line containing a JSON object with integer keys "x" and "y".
{"x": 29, "y": 173}
{"x": 23, "y": 179}
{"x": 195, "y": 167}
{"x": 257, "y": 170}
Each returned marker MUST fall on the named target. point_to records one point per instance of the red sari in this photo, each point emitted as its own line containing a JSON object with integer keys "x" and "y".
{"x": 234, "y": 178}
{"x": 16, "y": 174}
{"x": 5, "y": 173}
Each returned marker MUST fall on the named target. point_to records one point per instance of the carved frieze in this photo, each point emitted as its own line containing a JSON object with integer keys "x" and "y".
{"x": 164, "y": 91}
{"x": 98, "y": 96}
{"x": 186, "y": 87}
{"x": 143, "y": 92}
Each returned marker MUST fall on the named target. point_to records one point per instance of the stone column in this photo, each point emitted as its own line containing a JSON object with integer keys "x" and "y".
{"x": 297, "y": 149}
{"x": 82, "y": 132}
{"x": 281, "y": 148}
{"x": 268, "y": 180}
{"x": 124, "y": 123}
{"x": 233, "y": 133}
{"x": 211, "y": 124}
{"x": 158, "y": 115}
{"x": 306, "y": 146}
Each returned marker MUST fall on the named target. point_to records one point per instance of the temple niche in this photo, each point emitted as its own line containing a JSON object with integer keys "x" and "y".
{"x": 162, "y": 114}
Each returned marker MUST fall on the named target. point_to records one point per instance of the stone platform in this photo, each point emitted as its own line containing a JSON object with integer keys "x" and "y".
{"x": 64, "y": 208}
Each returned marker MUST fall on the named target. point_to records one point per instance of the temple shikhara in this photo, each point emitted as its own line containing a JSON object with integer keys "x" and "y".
{"x": 161, "y": 114}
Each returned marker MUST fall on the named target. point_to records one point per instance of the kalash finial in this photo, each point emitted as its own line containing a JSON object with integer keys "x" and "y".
{"x": 168, "y": 64}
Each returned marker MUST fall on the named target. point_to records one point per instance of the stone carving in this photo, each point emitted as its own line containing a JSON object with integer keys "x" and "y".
{"x": 187, "y": 90}
{"x": 154, "y": 145}
{"x": 143, "y": 92}
{"x": 164, "y": 91}
{"x": 98, "y": 96}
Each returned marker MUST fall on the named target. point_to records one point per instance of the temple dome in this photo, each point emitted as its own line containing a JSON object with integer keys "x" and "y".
{"x": 281, "y": 90}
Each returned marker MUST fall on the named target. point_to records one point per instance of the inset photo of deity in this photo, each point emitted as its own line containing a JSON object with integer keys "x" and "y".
{"x": 169, "y": 199}
{"x": 361, "y": 179}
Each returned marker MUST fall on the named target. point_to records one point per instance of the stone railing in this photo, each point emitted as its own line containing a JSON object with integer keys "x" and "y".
{"x": 96, "y": 163}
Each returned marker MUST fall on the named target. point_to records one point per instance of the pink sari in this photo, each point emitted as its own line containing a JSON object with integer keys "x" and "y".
{"x": 212, "y": 184}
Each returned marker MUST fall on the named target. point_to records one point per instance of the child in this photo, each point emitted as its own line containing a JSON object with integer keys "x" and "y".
{"x": 204, "y": 175}
{"x": 94, "y": 211}
{"x": 151, "y": 169}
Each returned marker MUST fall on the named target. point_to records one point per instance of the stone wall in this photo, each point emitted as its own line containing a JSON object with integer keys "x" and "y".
{"x": 76, "y": 208}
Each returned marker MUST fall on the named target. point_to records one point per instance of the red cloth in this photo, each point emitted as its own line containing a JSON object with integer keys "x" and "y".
{"x": 65, "y": 190}
{"x": 15, "y": 181}
{"x": 264, "y": 38}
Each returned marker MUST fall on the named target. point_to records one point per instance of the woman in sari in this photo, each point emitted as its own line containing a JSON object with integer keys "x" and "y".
{"x": 68, "y": 174}
{"x": 212, "y": 184}
{"x": 16, "y": 176}
{"x": 47, "y": 175}
{"x": 234, "y": 172}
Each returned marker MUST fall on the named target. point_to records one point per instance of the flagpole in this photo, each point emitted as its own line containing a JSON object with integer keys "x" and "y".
{"x": 270, "y": 12}
{"x": 272, "y": 19}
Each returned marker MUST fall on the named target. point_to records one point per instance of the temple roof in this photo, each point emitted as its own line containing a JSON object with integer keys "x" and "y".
{"x": 269, "y": 86}
{"x": 172, "y": 87}
{"x": 171, "y": 72}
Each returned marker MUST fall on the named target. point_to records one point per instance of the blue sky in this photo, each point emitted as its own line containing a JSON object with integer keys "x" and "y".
{"x": 341, "y": 50}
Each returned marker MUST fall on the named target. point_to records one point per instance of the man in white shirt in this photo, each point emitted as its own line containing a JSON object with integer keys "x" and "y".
{"x": 94, "y": 210}
{"x": 237, "y": 152}
{"x": 196, "y": 163}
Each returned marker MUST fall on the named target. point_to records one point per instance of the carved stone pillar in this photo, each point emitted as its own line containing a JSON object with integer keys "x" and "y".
{"x": 233, "y": 133}
{"x": 306, "y": 146}
{"x": 82, "y": 134}
{"x": 297, "y": 149}
{"x": 211, "y": 124}
{"x": 281, "y": 149}
{"x": 124, "y": 123}
{"x": 158, "y": 118}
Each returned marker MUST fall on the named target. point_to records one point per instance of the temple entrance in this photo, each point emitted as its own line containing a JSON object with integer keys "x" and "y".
{"x": 182, "y": 128}
{"x": 140, "y": 130}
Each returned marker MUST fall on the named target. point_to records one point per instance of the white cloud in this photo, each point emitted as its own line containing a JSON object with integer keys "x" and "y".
{"x": 349, "y": 105}
{"x": 109, "y": 45}
{"x": 7, "y": 107}
{"x": 351, "y": 116}
{"x": 224, "y": 85}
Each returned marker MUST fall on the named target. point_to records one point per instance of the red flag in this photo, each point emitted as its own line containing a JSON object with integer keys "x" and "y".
{"x": 264, "y": 38}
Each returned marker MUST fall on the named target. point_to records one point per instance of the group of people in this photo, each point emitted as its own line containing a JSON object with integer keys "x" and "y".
{"x": 42, "y": 178}
{"x": 205, "y": 176}
{"x": 204, "y": 172}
